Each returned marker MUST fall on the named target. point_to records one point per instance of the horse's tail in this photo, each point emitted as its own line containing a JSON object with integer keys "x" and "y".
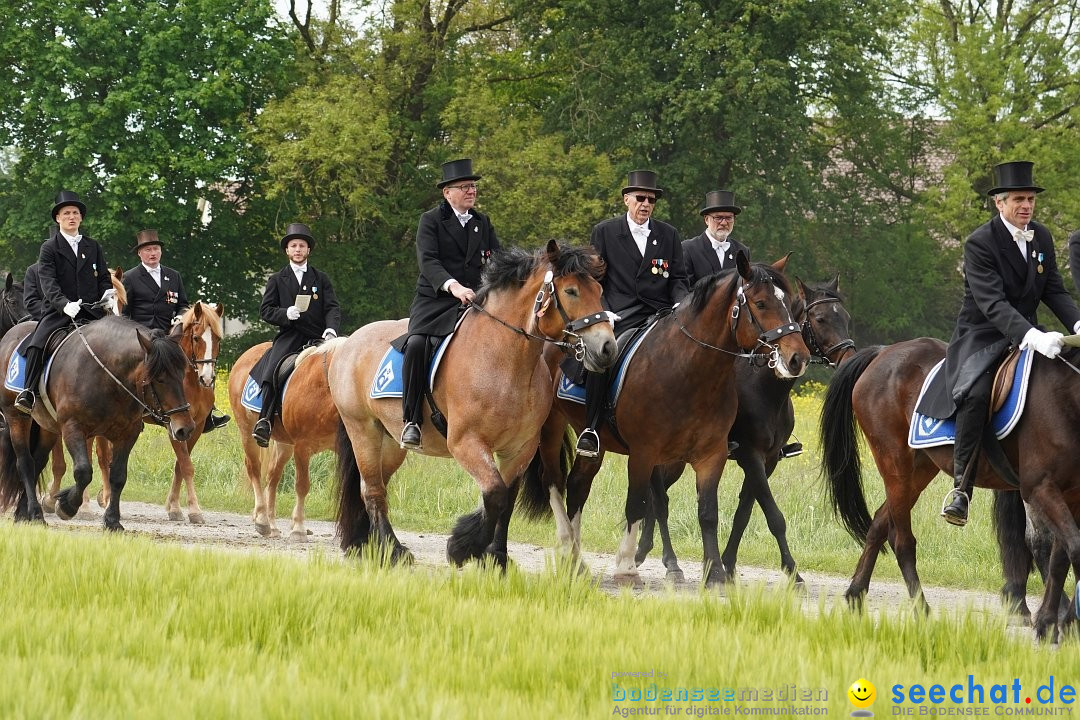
{"x": 1010, "y": 526}
{"x": 353, "y": 522}
{"x": 11, "y": 486}
{"x": 841, "y": 465}
{"x": 534, "y": 499}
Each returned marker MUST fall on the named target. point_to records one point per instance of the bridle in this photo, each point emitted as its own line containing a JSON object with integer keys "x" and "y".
{"x": 7, "y": 312}
{"x": 193, "y": 361}
{"x": 765, "y": 339}
{"x": 157, "y": 414}
{"x": 546, "y": 297}
{"x": 817, "y": 354}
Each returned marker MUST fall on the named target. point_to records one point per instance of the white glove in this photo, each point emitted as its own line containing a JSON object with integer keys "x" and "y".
{"x": 1076, "y": 328}
{"x": 110, "y": 293}
{"x": 293, "y": 312}
{"x": 72, "y": 309}
{"x": 177, "y": 319}
{"x": 1044, "y": 343}
{"x": 329, "y": 333}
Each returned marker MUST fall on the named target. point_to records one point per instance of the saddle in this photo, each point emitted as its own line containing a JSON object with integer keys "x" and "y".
{"x": 574, "y": 370}
{"x": 1003, "y": 380}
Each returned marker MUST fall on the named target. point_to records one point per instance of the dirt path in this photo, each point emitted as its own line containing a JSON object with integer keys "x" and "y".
{"x": 235, "y": 533}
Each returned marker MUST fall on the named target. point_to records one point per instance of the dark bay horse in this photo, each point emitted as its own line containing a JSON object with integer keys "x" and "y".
{"x": 878, "y": 388}
{"x": 762, "y": 426}
{"x": 309, "y": 425}
{"x": 677, "y": 405}
{"x": 492, "y": 386}
{"x": 12, "y": 310}
{"x": 101, "y": 382}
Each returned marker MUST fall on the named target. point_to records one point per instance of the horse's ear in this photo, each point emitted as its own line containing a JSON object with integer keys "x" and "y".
{"x": 553, "y": 250}
{"x": 197, "y": 311}
{"x": 781, "y": 263}
{"x": 144, "y": 338}
{"x": 803, "y": 290}
{"x": 8, "y": 282}
{"x": 118, "y": 273}
{"x": 219, "y": 308}
{"x": 835, "y": 284}
{"x": 742, "y": 264}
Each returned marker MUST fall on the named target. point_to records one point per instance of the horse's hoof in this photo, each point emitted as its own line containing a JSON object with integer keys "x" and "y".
{"x": 48, "y": 504}
{"x": 196, "y": 519}
{"x": 854, "y": 600}
{"x": 65, "y": 513}
{"x": 101, "y": 501}
{"x": 299, "y": 536}
{"x": 263, "y": 529}
{"x": 176, "y": 515}
{"x": 400, "y": 555}
{"x": 675, "y": 576}
{"x": 629, "y": 580}
{"x": 717, "y": 577}
{"x": 114, "y": 527}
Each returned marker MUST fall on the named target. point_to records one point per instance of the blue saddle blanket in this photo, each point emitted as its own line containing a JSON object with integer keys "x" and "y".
{"x": 569, "y": 390}
{"x": 388, "y": 377}
{"x": 253, "y": 396}
{"x": 15, "y": 379}
{"x": 928, "y": 432}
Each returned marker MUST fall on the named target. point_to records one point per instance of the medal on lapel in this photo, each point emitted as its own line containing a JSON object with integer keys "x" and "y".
{"x": 485, "y": 257}
{"x": 654, "y": 269}
{"x": 95, "y": 266}
{"x": 665, "y": 271}
{"x": 1039, "y": 268}
{"x": 314, "y": 293}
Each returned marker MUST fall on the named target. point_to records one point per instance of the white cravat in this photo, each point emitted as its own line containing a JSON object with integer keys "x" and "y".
{"x": 463, "y": 218}
{"x": 1021, "y": 237}
{"x": 73, "y": 241}
{"x": 721, "y": 248}
{"x": 640, "y": 233}
{"x": 299, "y": 271}
{"x": 155, "y": 272}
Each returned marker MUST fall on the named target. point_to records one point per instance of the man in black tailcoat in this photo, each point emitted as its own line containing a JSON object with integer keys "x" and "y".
{"x": 295, "y": 285}
{"x": 453, "y": 243}
{"x": 645, "y": 274}
{"x": 72, "y": 275}
{"x": 32, "y": 300}
{"x": 1009, "y": 267}
{"x": 714, "y": 250}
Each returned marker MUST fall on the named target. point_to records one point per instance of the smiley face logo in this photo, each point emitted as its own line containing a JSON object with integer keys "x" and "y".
{"x": 862, "y": 694}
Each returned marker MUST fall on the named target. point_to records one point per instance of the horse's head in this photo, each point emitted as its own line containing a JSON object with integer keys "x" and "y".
{"x": 761, "y": 318}
{"x": 568, "y": 307}
{"x": 12, "y": 310}
{"x": 826, "y": 324}
{"x": 117, "y": 303}
{"x": 161, "y": 377}
{"x": 199, "y": 333}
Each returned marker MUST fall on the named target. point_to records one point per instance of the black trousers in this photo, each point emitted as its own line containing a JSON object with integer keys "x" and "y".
{"x": 596, "y": 388}
{"x": 414, "y": 368}
{"x": 971, "y": 419}
{"x": 270, "y": 401}
{"x": 33, "y": 367}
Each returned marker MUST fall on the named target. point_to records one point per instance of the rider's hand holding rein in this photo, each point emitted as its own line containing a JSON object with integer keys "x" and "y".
{"x": 1045, "y": 343}
{"x": 462, "y": 293}
{"x": 72, "y": 309}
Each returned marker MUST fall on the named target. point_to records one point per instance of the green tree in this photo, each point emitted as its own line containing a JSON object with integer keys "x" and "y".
{"x": 143, "y": 108}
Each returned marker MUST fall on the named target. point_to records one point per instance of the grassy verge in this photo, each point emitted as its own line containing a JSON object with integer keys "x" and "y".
{"x": 121, "y": 627}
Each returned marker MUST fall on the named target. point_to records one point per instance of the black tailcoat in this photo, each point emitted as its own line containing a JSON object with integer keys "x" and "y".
{"x": 701, "y": 260}
{"x": 150, "y": 305}
{"x": 631, "y": 288}
{"x": 445, "y": 250}
{"x": 323, "y": 312}
{"x": 32, "y": 300}
{"x": 64, "y": 278}
{"x": 1002, "y": 291}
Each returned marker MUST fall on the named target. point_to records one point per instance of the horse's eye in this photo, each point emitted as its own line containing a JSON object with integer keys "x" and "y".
{"x": 760, "y": 304}
{"x": 571, "y": 291}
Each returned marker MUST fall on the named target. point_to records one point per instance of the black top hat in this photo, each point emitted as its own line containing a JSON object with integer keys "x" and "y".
{"x": 144, "y": 238}
{"x": 720, "y": 200}
{"x": 298, "y": 230}
{"x": 1013, "y": 176}
{"x": 642, "y": 180}
{"x": 66, "y": 197}
{"x": 457, "y": 170}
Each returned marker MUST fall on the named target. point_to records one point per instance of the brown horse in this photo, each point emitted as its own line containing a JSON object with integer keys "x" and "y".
{"x": 677, "y": 404}
{"x": 491, "y": 385}
{"x": 12, "y": 309}
{"x": 101, "y": 382}
{"x": 879, "y": 387}
{"x": 762, "y": 426}
{"x": 309, "y": 425}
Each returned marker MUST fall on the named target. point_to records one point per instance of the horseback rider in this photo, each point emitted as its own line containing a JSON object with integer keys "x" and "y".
{"x": 32, "y": 299}
{"x": 1009, "y": 267}
{"x": 453, "y": 243}
{"x": 320, "y": 318}
{"x": 714, "y": 250}
{"x": 72, "y": 276}
{"x": 156, "y": 298}
{"x": 645, "y": 274}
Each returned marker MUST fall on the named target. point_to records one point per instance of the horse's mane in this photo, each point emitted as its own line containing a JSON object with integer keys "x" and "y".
{"x": 511, "y": 267}
{"x": 320, "y": 349}
{"x": 118, "y": 286}
{"x": 165, "y": 358}
{"x": 209, "y": 315}
{"x": 817, "y": 292}
{"x": 707, "y": 286}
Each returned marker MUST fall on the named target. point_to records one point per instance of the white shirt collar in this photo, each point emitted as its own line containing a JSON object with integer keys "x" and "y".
{"x": 1010, "y": 227}
{"x": 298, "y": 268}
{"x": 635, "y": 228}
{"x": 717, "y": 243}
{"x": 71, "y": 238}
{"x": 152, "y": 269}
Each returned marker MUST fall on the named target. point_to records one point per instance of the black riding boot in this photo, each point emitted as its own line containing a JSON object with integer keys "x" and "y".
{"x": 971, "y": 418}
{"x": 413, "y": 369}
{"x": 265, "y": 425}
{"x": 214, "y": 420}
{"x": 596, "y": 388}
{"x": 24, "y": 401}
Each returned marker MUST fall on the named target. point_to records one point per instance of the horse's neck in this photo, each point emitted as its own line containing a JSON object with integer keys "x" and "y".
{"x": 713, "y": 324}
{"x": 514, "y": 309}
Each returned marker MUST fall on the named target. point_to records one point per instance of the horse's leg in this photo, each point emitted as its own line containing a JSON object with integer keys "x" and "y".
{"x": 117, "y": 481}
{"x": 474, "y": 534}
{"x": 104, "y": 458}
{"x": 578, "y": 486}
{"x": 756, "y": 480}
{"x": 639, "y": 470}
{"x": 299, "y": 532}
{"x": 377, "y": 457}
{"x": 59, "y": 467}
{"x": 739, "y": 521}
{"x": 26, "y": 439}
{"x": 1047, "y": 502}
{"x": 656, "y": 495}
{"x": 253, "y": 466}
{"x": 1010, "y": 526}
{"x": 280, "y": 453}
{"x": 172, "y": 500}
{"x": 876, "y": 536}
{"x": 1047, "y": 622}
{"x": 498, "y": 547}
{"x": 708, "y": 472}
{"x": 664, "y": 477}
{"x": 900, "y": 501}
{"x": 69, "y": 500}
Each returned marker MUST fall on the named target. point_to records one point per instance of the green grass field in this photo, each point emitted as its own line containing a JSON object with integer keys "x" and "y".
{"x": 428, "y": 494}
{"x": 103, "y": 626}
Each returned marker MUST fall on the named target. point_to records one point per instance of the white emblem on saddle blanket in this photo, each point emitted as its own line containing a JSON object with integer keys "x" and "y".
{"x": 388, "y": 381}
{"x": 928, "y": 432}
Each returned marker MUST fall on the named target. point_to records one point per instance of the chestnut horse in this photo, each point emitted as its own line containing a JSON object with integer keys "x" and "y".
{"x": 101, "y": 382}
{"x": 878, "y": 387}
{"x": 492, "y": 386}
{"x": 762, "y": 426}
{"x": 677, "y": 404}
{"x": 308, "y": 425}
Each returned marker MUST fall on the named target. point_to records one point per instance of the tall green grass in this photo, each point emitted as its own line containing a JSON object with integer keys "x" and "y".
{"x": 104, "y": 626}
{"x": 428, "y": 494}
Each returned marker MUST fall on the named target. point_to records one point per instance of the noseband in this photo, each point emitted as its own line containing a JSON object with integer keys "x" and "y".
{"x": 192, "y": 360}
{"x": 819, "y": 356}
